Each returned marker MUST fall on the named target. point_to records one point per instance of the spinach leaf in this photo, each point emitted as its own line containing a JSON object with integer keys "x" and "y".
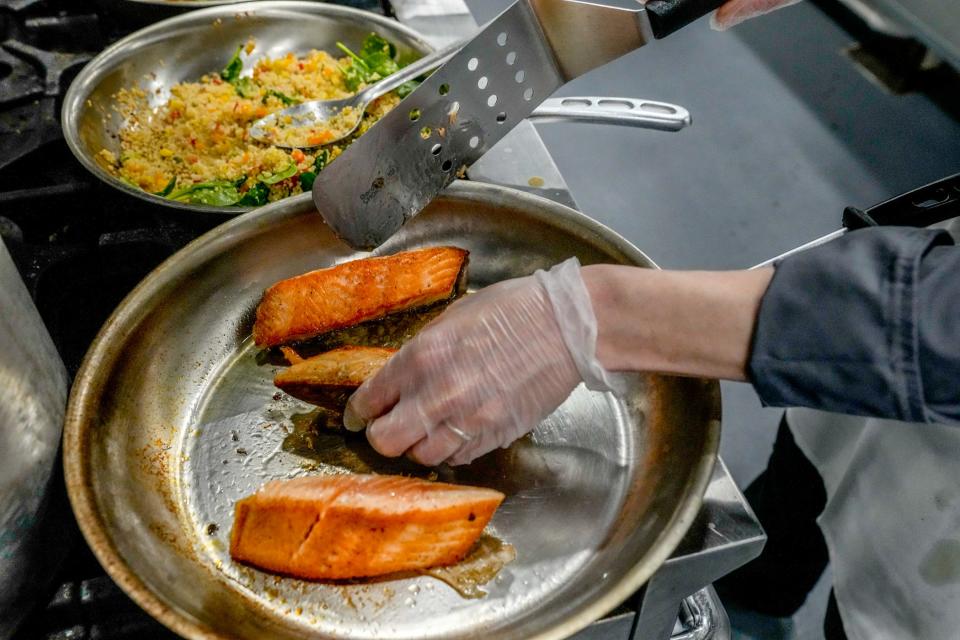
{"x": 323, "y": 157}
{"x": 255, "y": 196}
{"x": 285, "y": 99}
{"x": 231, "y": 72}
{"x": 246, "y": 87}
{"x": 274, "y": 178}
{"x": 378, "y": 54}
{"x": 307, "y": 177}
{"x": 375, "y": 46}
{"x": 407, "y": 88}
{"x": 167, "y": 190}
{"x": 218, "y": 193}
{"x": 353, "y": 76}
{"x": 306, "y": 180}
{"x": 375, "y": 61}
{"x": 356, "y": 61}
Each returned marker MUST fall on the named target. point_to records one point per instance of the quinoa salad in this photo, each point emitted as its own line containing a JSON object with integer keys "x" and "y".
{"x": 196, "y": 148}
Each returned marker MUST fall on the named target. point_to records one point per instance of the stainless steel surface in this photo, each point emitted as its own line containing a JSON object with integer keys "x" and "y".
{"x": 585, "y": 34}
{"x": 725, "y": 535}
{"x": 316, "y": 112}
{"x": 33, "y": 392}
{"x": 934, "y": 22}
{"x": 521, "y": 161}
{"x": 185, "y": 47}
{"x": 610, "y": 628}
{"x": 439, "y": 27}
{"x": 701, "y": 617}
{"x": 630, "y": 112}
{"x": 593, "y": 512}
{"x": 707, "y": 619}
{"x": 496, "y": 80}
{"x": 877, "y": 19}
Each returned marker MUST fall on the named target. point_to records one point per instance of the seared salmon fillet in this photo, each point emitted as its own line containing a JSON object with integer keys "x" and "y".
{"x": 355, "y": 526}
{"x": 314, "y": 303}
{"x": 330, "y": 378}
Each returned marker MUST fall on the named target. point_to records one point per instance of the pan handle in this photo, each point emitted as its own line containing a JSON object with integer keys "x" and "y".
{"x": 631, "y": 112}
{"x": 922, "y": 207}
{"x": 666, "y": 16}
{"x": 936, "y": 202}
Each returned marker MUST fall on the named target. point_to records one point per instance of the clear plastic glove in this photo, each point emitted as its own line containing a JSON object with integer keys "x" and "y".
{"x": 485, "y": 372}
{"x": 736, "y": 11}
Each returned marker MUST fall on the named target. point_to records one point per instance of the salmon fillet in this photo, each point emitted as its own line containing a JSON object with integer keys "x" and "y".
{"x": 314, "y": 303}
{"x": 355, "y": 526}
{"x": 328, "y": 380}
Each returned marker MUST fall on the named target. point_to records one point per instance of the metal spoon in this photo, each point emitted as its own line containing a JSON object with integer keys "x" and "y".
{"x": 315, "y": 113}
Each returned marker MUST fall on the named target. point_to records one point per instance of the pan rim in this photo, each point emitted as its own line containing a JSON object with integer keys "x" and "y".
{"x": 186, "y": 4}
{"x": 80, "y": 87}
{"x": 89, "y": 380}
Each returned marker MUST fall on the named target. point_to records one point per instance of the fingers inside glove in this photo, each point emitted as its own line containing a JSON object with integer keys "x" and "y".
{"x": 392, "y": 434}
{"x": 440, "y": 444}
{"x": 375, "y": 397}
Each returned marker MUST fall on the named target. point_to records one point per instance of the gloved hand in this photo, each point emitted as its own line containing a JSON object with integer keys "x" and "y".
{"x": 484, "y": 372}
{"x": 736, "y": 11}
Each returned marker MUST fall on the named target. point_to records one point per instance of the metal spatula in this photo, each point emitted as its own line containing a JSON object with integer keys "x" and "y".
{"x": 531, "y": 49}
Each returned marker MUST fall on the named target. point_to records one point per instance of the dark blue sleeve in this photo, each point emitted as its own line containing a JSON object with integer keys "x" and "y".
{"x": 868, "y": 324}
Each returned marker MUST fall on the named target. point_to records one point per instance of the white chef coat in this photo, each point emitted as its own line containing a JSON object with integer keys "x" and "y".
{"x": 892, "y": 520}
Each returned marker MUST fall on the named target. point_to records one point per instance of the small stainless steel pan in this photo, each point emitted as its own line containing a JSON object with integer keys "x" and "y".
{"x": 186, "y": 47}
{"x": 173, "y": 417}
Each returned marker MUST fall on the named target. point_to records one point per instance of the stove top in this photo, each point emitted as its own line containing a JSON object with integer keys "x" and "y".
{"x": 81, "y": 246}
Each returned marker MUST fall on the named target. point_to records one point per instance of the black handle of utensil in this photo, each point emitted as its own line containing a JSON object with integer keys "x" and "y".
{"x": 666, "y": 16}
{"x": 930, "y": 204}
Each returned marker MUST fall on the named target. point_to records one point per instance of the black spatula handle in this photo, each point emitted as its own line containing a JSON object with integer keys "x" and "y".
{"x": 666, "y": 16}
{"x": 936, "y": 202}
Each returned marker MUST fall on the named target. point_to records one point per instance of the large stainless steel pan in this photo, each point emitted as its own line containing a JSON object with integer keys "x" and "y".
{"x": 188, "y": 46}
{"x": 172, "y": 418}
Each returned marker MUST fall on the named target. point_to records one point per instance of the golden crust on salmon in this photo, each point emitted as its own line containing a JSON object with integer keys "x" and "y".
{"x": 355, "y": 526}
{"x": 330, "y": 378}
{"x": 314, "y": 303}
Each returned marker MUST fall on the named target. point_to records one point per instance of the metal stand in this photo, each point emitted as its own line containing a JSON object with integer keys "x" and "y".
{"x": 725, "y": 536}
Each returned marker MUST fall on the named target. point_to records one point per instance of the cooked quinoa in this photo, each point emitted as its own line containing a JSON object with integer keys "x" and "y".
{"x": 196, "y": 147}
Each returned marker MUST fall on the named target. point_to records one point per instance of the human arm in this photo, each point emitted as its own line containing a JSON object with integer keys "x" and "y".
{"x": 696, "y": 323}
{"x": 867, "y": 324}
{"x": 493, "y": 365}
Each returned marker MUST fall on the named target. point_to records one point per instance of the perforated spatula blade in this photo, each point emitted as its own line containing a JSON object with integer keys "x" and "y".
{"x": 392, "y": 171}
{"x": 395, "y": 169}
